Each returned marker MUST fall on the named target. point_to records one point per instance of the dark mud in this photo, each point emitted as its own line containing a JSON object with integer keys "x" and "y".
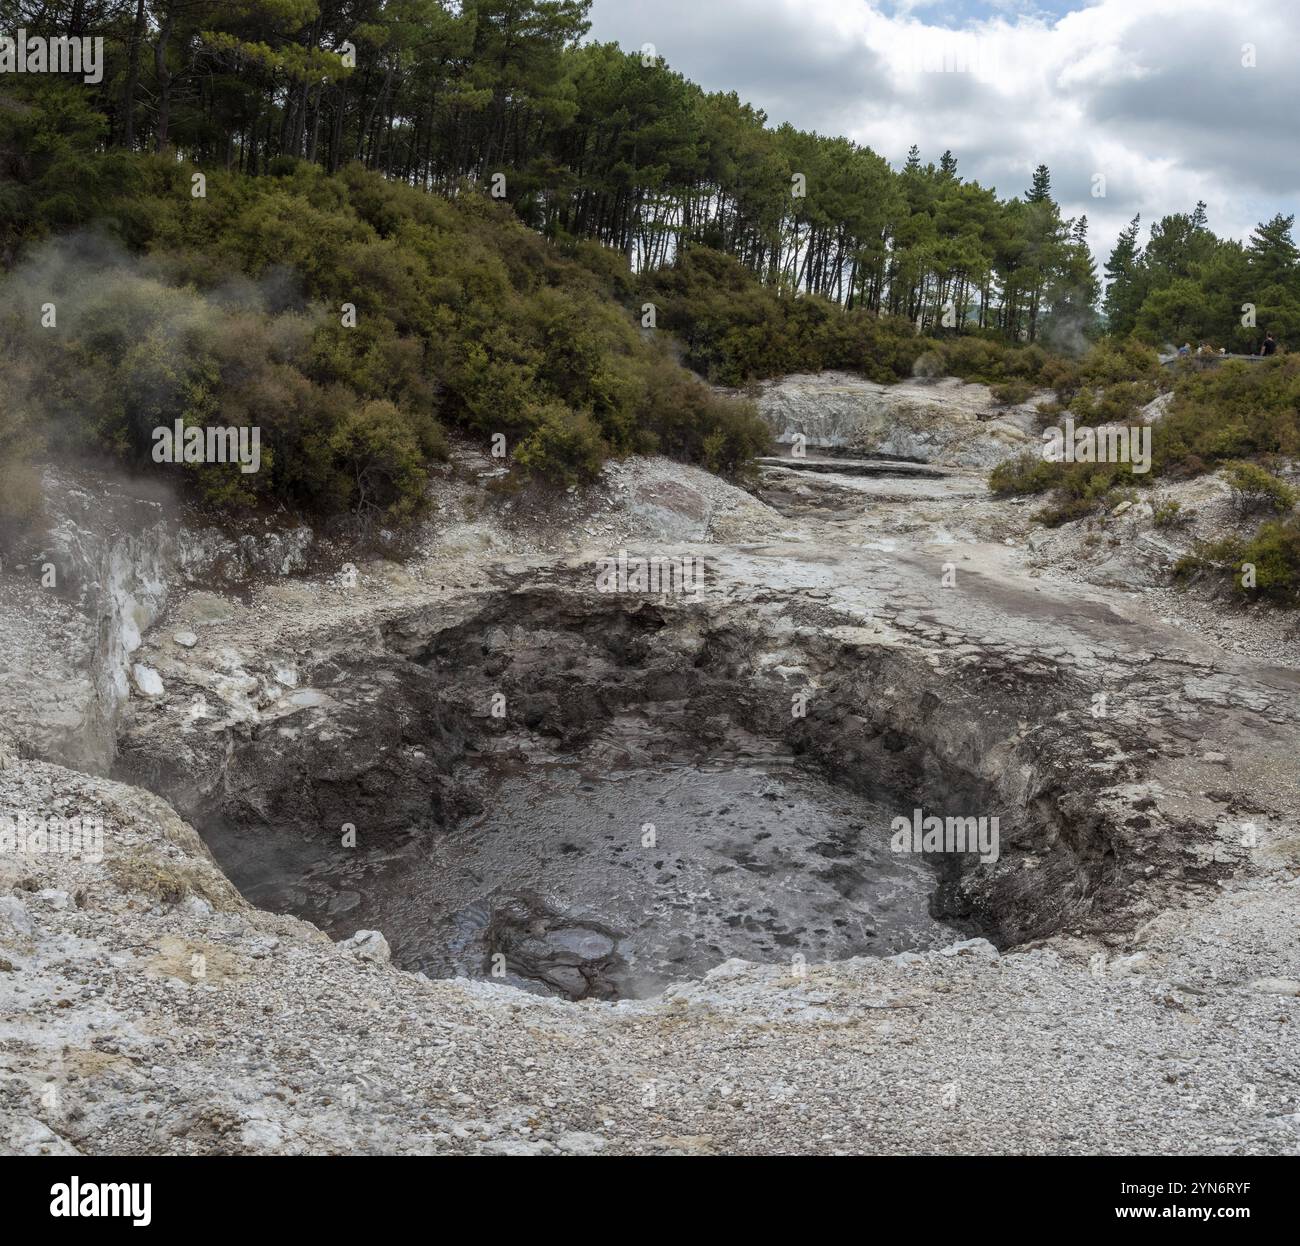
{"x": 616, "y": 869}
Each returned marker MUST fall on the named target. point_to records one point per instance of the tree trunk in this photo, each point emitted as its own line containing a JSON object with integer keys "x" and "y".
{"x": 132, "y": 78}
{"x": 164, "y": 80}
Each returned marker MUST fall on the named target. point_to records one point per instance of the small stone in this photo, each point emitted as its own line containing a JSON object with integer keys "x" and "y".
{"x": 368, "y": 945}
{"x": 14, "y": 914}
{"x": 186, "y": 640}
{"x": 971, "y": 947}
{"x": 261, "y": 1135}
{"x": 147, "y": 680}
{"x": 580, "y": 1143}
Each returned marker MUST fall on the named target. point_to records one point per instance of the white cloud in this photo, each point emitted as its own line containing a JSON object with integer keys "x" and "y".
{"x": 1151, "y": 94}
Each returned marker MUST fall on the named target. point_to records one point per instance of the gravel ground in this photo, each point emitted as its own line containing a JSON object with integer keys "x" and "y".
{"x": 151, "y": 1009}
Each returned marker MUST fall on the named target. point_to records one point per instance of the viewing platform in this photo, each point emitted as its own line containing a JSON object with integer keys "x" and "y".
{"x": 1168, "y": 360}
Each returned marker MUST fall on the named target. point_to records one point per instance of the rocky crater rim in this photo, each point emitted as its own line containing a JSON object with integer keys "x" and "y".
{"x": 405, "y": 733}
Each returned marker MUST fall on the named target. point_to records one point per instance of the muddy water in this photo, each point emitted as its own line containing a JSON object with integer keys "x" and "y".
{"x": 619, "y": 869}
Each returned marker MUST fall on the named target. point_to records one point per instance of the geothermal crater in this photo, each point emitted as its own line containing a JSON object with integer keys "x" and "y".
{"x": 587, "y": 797}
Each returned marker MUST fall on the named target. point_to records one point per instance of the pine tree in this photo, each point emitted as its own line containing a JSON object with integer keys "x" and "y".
{"x": 947, "y": 164}
{"x": 1272, "y": 252}
{"x": 1041, "y": 190}
{"x": 1124, "y": 290}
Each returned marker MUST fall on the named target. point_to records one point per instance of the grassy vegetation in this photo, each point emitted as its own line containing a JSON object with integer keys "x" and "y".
{"x": 1222, "y": 416}
{"x": 1169, "y": 514}
{"x": 1237, "y": 410}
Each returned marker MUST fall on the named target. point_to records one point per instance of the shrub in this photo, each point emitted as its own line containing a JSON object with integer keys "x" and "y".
{"x": 1025, "y": 474}
{"x": 562, "y": 445}
{"x": 229, "y": 312}
{"x": 1012, "y": 393}
{"x": 1114, "y": 361}
{"x": 1272, "y": 554}
{"x": 1274, "y": 551}
{"x": 1233, "y": 411}
{"x": 1169, "y": 513}
{"x": 1255, "y": 490}
{"x": 736, "y": 329}
{"x": 1066, "y": 508}
{"x": 1078, "y": 489}
{"x": 689, "y": 420}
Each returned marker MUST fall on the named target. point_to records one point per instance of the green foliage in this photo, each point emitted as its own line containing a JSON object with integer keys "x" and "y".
{"x": 1084, "y": 489}
{"x": 1012, "y": 393}
{"x": 1273, "y": 553}
{"x": 1232, "y": 411}
{"x": 1188, "y": 285}
{"x": 1025, "y": 474}
{"x": 585, "y": 142}
{"x": 20, "y": 443}
{"x": 561, "y": 444}
{"x": 1169, "y": 513}
{"x": 691, "y": 421}
{"x": 1077, "y": 489}
{"x": 736, "y": 329}
{"x": 768, "y": 250}
{"x": 1255, "y": 490}
{"x": 1115, "y": 361}
{"x": 229, "y": 311}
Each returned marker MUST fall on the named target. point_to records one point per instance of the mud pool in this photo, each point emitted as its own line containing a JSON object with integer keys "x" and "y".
{"x": 616, "y": 870}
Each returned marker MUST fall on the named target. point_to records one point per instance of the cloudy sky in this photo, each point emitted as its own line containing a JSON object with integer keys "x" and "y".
{"x": 1151, "y": 95}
